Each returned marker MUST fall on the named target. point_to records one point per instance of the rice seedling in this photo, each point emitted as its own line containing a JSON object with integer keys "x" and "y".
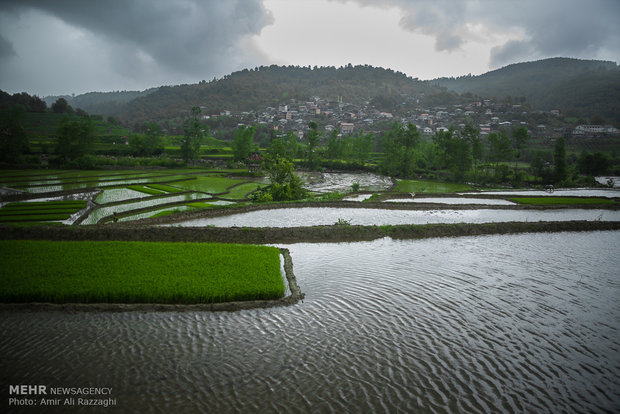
{"x": 137, "y": 272}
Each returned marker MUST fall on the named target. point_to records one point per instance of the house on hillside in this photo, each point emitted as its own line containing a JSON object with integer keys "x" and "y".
{"x": 346, "y": 128}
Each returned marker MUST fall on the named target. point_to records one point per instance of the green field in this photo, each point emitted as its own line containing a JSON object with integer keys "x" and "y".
{"x": 39, "y": 211}
{"x": 137, "y": 272}
{"x": 417, "y": 186}
{"x": 560, "y": 200}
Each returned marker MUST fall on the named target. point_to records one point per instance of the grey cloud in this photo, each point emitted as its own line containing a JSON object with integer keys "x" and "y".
{"x": 6, "y": 49}
{"x": 577, "y": 28}
{"x": 195, "y": 38}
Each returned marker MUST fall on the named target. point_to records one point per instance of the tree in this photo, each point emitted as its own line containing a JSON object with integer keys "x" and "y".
{"x": 285, "y": 185}
{"x": 520, "y": 137}
{"x": 243, "y": 142}
{"x": 61, "y": 106}
{"x": 312, "y": 155}
{"x": 74, "y": 137}
{"x": 190, "y": 144}
{"x": 500, "y": 148}
{"x": 472, "y": 135}
{"x": 455, "y": 153}
{"x": 559, "y": 160}
{"x": 593, "y": 164}
{"x": 361, "y": 148}
{"x": 13, "y": 139}
{"x": 400, "y": 145}
{"x": 147, "y": 144}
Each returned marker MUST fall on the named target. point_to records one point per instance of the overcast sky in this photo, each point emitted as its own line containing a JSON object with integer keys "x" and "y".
{"x": 74, "y": 46}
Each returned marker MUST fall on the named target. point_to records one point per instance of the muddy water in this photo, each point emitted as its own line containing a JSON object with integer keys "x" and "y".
{"x": 315, "y": 216}
{"x": 525, "y": 323}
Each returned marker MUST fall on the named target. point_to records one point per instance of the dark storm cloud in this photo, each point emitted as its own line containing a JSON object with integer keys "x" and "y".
{"x": 6, "y": 49}
{"x": 577, "y": 28}
{"x": 191, "y": 38}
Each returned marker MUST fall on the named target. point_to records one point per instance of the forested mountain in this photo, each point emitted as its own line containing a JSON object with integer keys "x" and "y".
{"x": 102, "y": 103}
{"x": 264, "y": 86}
{"x": 582, "y": 87}
{"x": 579, "y": 88}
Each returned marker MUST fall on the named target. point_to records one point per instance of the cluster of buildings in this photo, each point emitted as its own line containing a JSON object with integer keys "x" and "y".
{"x": 347, "y": 118}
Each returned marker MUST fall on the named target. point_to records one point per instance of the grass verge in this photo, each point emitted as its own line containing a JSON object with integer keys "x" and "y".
{"x": 137, "y": 272}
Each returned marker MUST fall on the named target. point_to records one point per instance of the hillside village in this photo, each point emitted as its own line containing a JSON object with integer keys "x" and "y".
{"x": 347, "y": 118}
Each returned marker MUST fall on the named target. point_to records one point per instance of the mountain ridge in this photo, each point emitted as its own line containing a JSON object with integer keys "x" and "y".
{"x": 574, "y": 86}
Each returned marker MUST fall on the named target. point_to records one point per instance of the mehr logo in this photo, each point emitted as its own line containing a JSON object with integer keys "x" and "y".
{"x": 28, "y": 389}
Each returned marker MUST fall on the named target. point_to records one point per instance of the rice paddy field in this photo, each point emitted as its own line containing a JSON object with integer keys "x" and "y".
{"x": 124, "y": 194}
{"x": 137, "y": 272}
{"x": 561, "y": 200}
{"x": 431, "y": 187}
{"x": 40, "y": 211}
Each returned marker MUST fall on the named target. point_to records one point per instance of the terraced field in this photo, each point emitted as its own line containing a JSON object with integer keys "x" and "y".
{"x": 117, "y": 195}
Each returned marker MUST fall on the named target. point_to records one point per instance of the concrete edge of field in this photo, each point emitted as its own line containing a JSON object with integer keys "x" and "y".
{"x": 295, "y": 296}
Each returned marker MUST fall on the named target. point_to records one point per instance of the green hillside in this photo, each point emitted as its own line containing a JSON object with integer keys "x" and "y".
{"x": 582, "y": 87}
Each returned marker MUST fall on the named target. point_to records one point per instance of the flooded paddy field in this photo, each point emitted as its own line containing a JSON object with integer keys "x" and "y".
{"x": 317, "y": 216}
{"x": 511, "y": 323}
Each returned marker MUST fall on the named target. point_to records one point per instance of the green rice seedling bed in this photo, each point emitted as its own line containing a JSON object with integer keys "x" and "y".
{"x": 137, "y": 272}
{"x": 4, "y": 212}
{"x": 165, "y": 188}
{"x": 241, "y": 191}
{"x": 211, "y": 185}
{"x": 145, "y": 190}
{"x": 561, "y": 200}
{"x": 418, "y": 186}
{"x": 34, "y": 217}
{"x": 155, "y": 213}
{"x": 79, "y": 204}
{"x": 104, "y": 211}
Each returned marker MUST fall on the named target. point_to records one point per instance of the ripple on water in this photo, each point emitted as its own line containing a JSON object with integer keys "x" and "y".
{"x": 521, "y": 323}
{"x": 317, "y": 216}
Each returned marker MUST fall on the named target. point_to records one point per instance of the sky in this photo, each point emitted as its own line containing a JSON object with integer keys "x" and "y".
{"x": 77, "y": 46}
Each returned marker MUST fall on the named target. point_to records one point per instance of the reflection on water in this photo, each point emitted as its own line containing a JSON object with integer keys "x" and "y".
{"x": 343, "y": 182}
{"x": 454, "y": 200}
{"x": 316, "y": 216}
{"x": 573, "y": 192}
{"x": 522, "y": 323}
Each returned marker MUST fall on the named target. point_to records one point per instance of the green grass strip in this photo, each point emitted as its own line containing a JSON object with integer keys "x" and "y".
{"x": 560, "y": 200}
{"x": 145, "y": 190}
{"x": 137, "y": 272}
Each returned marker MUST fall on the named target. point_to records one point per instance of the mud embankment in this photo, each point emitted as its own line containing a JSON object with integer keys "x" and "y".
{"x": 315, "y": 234}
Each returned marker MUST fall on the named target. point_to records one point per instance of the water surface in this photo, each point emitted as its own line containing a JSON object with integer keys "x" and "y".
{"x": 316, "y": 216}
{"x": 513, "y": 323}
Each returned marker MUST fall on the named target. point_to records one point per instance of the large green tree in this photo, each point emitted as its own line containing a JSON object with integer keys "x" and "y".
{"x": 400, "y": 144}
{"x": 285, "y": 185}
{"x": 559, "y": 160}
{"x": 243, "y": 143}
{"x": 455, "y": 153}
{"x": 520, "y": 137}
{"x": 13, "y": 139}
{"x": 75, "y": 137}
{"x": 312, "y": 148}
{"x": 149, "y": 143}
{"x": 194, "y": 131}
